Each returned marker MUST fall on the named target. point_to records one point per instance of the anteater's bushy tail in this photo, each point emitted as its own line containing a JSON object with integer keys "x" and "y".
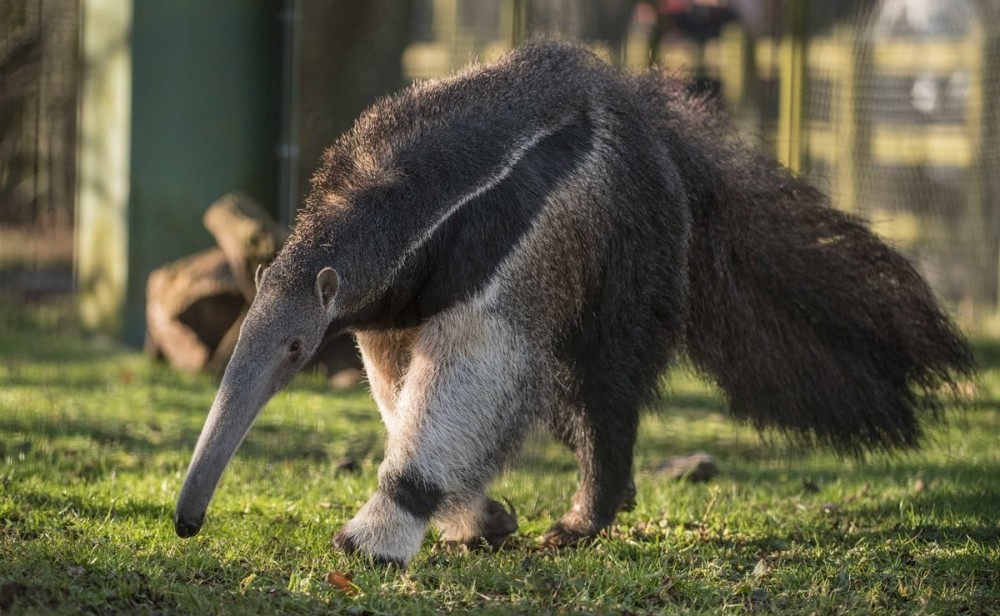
{"x": 806, "y": 320}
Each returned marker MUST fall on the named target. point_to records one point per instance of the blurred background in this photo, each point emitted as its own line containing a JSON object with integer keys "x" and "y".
{"x": 122, "y": 121}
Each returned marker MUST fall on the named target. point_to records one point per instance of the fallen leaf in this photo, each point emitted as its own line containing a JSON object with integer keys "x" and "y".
{"x": 344, "y": 582}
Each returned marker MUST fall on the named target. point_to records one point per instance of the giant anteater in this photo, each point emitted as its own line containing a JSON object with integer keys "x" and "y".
{"x": 531, "y": 242}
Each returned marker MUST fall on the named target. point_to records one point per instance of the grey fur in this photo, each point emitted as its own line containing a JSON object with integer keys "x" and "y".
{"x": 529, "y": 242}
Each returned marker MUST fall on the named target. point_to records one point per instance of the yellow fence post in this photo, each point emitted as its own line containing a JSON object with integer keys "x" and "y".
{"x": 845, "y": 119}
{"x": 734, "y": 65}
{"x": 792, "y": 81}
{"x": 974, "y": 126}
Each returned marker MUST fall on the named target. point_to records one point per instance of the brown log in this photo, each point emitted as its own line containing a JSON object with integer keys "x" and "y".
{"x": 191, "y": 304}
{"x": 220, "y": 357}
{"x": 195, "y": 306}
{"x": 247, "y": 235}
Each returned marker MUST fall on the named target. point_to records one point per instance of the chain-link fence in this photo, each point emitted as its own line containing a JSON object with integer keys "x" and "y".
{"x": 39, "y": 76}
{"x": 901, "y": 126}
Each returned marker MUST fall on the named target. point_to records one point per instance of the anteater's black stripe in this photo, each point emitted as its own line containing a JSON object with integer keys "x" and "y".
{"x": 418, "y": 497}
{"x": 465, "y": 251}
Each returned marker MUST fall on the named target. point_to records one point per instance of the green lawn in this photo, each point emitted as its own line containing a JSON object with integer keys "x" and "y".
{"x": 94, "y": 442}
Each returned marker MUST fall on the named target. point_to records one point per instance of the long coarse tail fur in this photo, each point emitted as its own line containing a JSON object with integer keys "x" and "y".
{"x": 807, "y": 321}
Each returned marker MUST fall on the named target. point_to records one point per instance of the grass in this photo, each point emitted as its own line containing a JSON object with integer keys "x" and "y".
{"x": 94, "y": 441}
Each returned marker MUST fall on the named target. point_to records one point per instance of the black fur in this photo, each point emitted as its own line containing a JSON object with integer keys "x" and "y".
{"x": 430, "y": 149}
{"x": 418, "y": 497}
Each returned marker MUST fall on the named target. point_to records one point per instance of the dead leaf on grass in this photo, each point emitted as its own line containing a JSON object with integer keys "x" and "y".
{"x": 344, "y": 582}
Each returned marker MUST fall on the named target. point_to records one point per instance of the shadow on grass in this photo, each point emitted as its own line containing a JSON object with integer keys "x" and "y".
{"x": 184, "y": 583}
{"x": 74, "y": 505}
{"x": 267, "y": 442}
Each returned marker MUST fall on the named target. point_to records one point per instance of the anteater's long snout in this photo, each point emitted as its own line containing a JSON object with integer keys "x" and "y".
{"x": 238, "y": 402}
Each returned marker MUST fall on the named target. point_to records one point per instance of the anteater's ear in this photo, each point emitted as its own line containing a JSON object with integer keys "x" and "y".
{"x": 258, "y": 275}
{"x": 327, "y": 282}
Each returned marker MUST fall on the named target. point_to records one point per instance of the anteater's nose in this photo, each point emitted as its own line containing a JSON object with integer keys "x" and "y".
{"x": 187, "y": 528}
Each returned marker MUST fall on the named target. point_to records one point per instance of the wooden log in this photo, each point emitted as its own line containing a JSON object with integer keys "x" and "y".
{"x": 195, "y": 306}
{"x": 191, "y": 305}
{"x": 247, "y": 235}
{"x": 220, "y": 358}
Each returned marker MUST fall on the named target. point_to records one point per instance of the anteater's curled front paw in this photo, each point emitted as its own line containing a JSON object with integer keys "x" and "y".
{"x": 498, "y": 523}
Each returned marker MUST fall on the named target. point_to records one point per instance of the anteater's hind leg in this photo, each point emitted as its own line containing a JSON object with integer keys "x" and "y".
{"x": 602, "y": 439}
{"x": 460, "y": 412}
{"x": 615, "y": 368}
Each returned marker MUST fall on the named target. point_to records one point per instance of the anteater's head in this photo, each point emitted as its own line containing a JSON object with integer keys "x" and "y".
{"x": 283, "y": 328}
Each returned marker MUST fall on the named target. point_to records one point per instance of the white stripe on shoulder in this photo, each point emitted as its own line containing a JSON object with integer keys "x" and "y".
{"x": 491, "y": 182}
{"x": 521, "y": 255}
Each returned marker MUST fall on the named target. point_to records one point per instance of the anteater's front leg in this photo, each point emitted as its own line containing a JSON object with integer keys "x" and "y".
{"x": 462, "y": 410}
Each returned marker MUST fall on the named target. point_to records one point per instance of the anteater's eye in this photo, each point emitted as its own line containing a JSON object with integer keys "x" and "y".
{"x": 294, "y": 347}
